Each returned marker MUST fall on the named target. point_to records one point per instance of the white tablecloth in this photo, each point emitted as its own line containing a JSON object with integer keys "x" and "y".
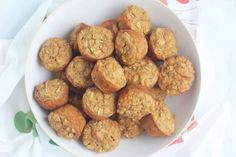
{"x": 212, "y": 24}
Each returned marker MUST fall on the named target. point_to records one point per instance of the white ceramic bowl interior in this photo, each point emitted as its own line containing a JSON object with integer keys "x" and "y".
{"x": 62, "y": 21}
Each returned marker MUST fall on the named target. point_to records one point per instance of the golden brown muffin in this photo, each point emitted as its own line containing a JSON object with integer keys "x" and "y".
{"x": 158, "y": 94}
{"x": 176, "y": 75}
{"x": 101, "y": 136}
{"x": 135, "y": 102}
{"x": 74, "y": 34}
{"x": 162, "y": 44}
{"x": 95, "y": 42}
{"x": 135, "y": 18}
{"x": 131, "y": 47}
{"x": 55, "y": 54}
{"x": 97, "y": 104}
{"x": 67, "y": 121}
{"x": 159, "y": 123}
{"x": 78, "y": 72}
{"x": 130, "y": 128}
{"x": 108, "y": 75}
{"x": 112, "y": 25}
{"x": 51, "y": 94}
{"x": 144, "y": 73}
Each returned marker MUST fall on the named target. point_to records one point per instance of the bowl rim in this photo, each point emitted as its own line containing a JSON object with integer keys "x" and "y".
{"x": 199, "y": 76}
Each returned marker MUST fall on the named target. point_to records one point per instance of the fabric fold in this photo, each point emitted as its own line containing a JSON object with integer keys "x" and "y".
{"x": 17, "y": 52}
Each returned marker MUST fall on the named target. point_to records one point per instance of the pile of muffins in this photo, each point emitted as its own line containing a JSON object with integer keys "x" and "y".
{"x": 107, "y": 83}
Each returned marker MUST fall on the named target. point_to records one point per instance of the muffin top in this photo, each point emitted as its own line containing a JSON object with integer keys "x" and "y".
{"x": 135, "y": 102}
{"x": 144, "y": 73}
{"x": 78, "y": 72}
{"x": 95, "y": 42}
{"x": 55, "y": 54}
{"x": 135, "y": 18}
{"x": 67, "y": 121}
{"x": 162, "y": 43}
{"x": 130, "y": 46}
{"x": 101, "y": 136}
{"x": 108, "y": 75}
{"x": 51, "y": 94}
{"x": 176, "y": 75}
{"x": 97, "y": 104}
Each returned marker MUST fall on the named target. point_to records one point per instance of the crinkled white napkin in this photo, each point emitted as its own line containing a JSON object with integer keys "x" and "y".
{"x": 13, "y": 59}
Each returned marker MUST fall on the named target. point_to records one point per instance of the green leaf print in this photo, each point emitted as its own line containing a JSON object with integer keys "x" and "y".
{"x": 25, "y": 122}
{"x": 52, "y": 142}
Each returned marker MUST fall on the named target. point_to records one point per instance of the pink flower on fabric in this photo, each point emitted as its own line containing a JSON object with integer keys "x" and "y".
{"x": 180, "y": 1}
{"x": 178, "y": 140}
{"x": 183, "y": 1}
{"x": 190, "y": 127}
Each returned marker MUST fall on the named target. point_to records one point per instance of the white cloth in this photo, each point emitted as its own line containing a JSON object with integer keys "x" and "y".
{"x": 215, "y": 134}
{"x": 12, "y": 66}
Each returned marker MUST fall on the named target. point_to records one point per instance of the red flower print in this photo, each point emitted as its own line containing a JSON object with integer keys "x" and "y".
{"x": 183, "y": 1}
{"x": 164, "y": 2}
{"x": 178, "y": 140}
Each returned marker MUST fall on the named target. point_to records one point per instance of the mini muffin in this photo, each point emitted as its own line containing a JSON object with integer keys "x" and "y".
{"x": 135, "y": 18}
{"x": 101, "y": 136}
{"x": 135, "y": 102}
{"x": 144, "y": 73}
{"x": 130, "y": 128}
{"x": 162, "y": 44}
{"x": 67, "y": 121}
{"x": 78, "y": 72}
{"x": 51, "y": 94}
{"x": 112, "y": 25}
{"x": 158, "y": 94}
{"x": 95, "y": 42}
{"x": 97, "y": 104}
{"x": 108, "y": 75}
{"x": 74, "y": 34}
{"x": 176, "y": 75}
{"x": 131, "y": 47}
{"x": 55, "y": 54}
{"x": 159, "y": 123}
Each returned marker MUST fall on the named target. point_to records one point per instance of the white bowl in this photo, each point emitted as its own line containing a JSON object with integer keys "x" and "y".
{"x": 62, "y": 21}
